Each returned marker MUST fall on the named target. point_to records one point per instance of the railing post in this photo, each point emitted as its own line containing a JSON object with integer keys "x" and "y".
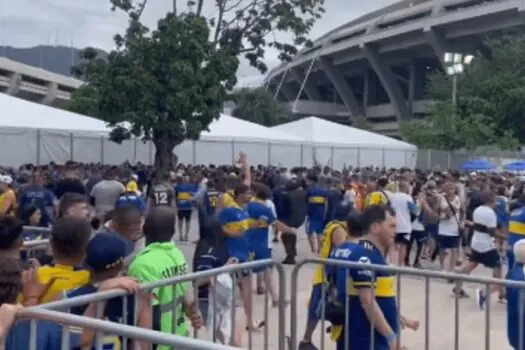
{"x": 71, "y": 146}
{"x": 38, "y": 142}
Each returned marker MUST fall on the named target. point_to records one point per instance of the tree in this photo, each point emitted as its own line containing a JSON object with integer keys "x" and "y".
{"x": 259, "y": 106}
{"x": 362, "y": 123}
{"x": 167, "y": 85}
{"x": 490, "y": 95}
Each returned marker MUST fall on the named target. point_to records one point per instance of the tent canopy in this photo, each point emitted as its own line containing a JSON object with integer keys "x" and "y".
{"x": 515, "y": 166}
{"x": 318, "y": 130}
{"x": 18, "y": 113}
{"x": 478, "y": 164}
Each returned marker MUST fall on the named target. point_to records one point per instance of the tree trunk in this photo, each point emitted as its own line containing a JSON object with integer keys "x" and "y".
{"x": 164, "y": 157}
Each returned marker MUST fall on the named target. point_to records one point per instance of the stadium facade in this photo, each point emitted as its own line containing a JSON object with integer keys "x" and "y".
{"x": 376, "y": 66}
{"x": 35, "y": 84}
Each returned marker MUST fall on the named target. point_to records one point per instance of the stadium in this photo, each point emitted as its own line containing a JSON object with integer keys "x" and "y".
{"x": 376, "y": 66}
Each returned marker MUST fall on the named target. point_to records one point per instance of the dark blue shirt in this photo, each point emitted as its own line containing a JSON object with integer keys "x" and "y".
{"x": 131, "y": 199}
{"x": 334, "y": 197}
{"x": 517, "y": 273}
{"x": 48, "y": 334}
{"x": 210, "y": 259}
{"x": 40, "y": 197}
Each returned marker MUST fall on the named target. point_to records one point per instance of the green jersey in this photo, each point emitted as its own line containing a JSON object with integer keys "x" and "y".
{"x": 159, "y": 261}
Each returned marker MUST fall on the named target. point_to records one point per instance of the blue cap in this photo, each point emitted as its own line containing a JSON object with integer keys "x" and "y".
{"x": 106, "y": 250}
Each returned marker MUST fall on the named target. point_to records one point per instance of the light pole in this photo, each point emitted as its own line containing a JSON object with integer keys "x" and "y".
{"x": 455, "y": 65}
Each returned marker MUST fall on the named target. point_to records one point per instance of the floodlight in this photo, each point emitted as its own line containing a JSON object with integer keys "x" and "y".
{"x": 468, "y": 59}
{"x": 450, "y": 70}
{"x": 448, "y": 57}
{"x": 458, "y": 58}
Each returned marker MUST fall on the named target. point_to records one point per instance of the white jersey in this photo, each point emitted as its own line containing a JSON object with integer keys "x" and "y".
{"x": 483, "y": 242}
{"x": 450, "y": 226}
{"x": 269, "y": 203}
{"x": 404, "y": 206}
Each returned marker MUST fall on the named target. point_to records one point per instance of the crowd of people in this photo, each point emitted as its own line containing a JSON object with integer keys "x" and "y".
{"x": 114, "y": 227}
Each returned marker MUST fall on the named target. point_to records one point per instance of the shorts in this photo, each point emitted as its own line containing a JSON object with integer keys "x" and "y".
{"x": 448, "y": 242}
{"x": 402, "y": 238}
{"x": 315, "y": 304}
{"x": 203, "y": 308}
{"x": 419, "y": 236}
{"x": 490, "y": 259}
{"x": 184, "y": 214}
{"x": 262, "y": 254}
{"x": 314, "y": 227}
{"x": 432, "y": 230}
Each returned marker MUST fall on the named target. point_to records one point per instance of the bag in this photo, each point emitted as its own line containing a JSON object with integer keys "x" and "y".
{"x": 220, "y": 306}
{"x": 386, "y": 197}
{"x": 454, "y": 213}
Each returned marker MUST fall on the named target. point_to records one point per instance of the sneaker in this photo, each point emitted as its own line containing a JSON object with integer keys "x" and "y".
{"x": 306, "y": 346}
{"x": 481, "y": 298}
{"x": 417, "y": 266}
{"x": 502, "y": 299}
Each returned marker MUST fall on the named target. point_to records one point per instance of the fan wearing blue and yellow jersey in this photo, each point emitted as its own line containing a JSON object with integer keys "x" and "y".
{"x": 228, "y": 197}
{"x": 376, "y": 193}
{"x": 372, "y": 295}
{"x": 335, "y": 233}
{"x": 184, "y": 192}
{"x": 516, "y": 229}
{"x": 235, "y": 223}
{"x": 316, "y": 197}
{"x": 261, "y": 218}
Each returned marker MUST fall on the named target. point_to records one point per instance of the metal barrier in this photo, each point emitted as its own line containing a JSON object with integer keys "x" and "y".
{"x": 36, "y": 241}
{"x": 457, "y": 279}
{"x": 56, "y": 311}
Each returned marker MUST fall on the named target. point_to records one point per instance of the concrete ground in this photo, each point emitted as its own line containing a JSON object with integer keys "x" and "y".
{"x": 441, "y": 317}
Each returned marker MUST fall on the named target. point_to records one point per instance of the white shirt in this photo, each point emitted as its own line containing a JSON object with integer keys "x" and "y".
{"x": 403, "y": 204}
{"x": 482, "y": 242}
{"x": 450, "y": 227}
{"x": 416, "y": 224}
{"x": 269, "y": 204}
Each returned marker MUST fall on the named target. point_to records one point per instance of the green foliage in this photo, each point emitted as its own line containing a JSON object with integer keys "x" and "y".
{"x": 259, "y": 106}
{"x": 168, "y": 84}
{"x": 362, "y": 123}
{"x": 490, "y": 105}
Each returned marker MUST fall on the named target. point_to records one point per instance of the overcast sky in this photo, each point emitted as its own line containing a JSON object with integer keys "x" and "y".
{"x": 25, "y": 23}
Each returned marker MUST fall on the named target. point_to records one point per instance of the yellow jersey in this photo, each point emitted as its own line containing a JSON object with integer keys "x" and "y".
{"x": 228, "y": 199}
{"x": 376, "y": 198}
{"x": 65, "y": 277}
{"x": 326, "y": 248}
{"x": 8, "y": 195}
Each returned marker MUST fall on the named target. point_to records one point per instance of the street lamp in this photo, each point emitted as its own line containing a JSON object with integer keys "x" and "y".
{"x": 455, "y": 65}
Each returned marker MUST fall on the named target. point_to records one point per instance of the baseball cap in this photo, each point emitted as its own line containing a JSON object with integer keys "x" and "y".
{"x": 106, "y": 250}
{"x": 6, "y": 179}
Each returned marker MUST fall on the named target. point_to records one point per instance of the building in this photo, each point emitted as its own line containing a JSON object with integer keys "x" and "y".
{"x": 376, "y": 66}
{"x": 35, "y": 84}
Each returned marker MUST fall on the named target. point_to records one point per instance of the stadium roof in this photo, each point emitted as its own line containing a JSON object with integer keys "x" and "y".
{"x": 318, "y": 130}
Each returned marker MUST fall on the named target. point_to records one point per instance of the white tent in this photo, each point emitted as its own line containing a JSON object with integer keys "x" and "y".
{"x": 35, "y": 133}
{"x": 338, "y": 144}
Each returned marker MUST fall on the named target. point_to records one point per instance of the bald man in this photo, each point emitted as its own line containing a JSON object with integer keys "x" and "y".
{"x": 516, "y": 274}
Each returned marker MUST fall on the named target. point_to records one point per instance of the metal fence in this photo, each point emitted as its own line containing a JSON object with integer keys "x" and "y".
{"x": 55, "y": 311}
{"x": 427, "y": 276}
{"x": 437, "y": 159}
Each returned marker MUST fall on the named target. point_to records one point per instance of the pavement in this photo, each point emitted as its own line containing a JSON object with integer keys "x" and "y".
{"x": 440, "y": 328}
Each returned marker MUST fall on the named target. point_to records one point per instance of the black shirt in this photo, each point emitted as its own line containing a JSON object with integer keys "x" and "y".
{"x": 69, "y": 186}
{"x": 295, "y": 207}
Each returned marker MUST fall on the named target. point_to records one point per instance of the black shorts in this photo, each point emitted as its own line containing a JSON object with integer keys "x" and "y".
{"x": 402, "y": 238}
{"x": 490, "y": 259}
{"x": 184, "y": 214}
{"x": 448, "y": 242}
{"x": 419, "y": 236}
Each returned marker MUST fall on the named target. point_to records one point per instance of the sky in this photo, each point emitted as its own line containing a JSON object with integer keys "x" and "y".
{"x": 25, "y": 23}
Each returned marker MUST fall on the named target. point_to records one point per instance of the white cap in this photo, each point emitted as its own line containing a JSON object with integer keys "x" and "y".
{"x": 519, "y": 251}
{"x": 6, "y": 179}
{"x": 135, "y": 176}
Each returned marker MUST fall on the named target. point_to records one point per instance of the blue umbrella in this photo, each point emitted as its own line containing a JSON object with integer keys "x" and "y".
{"x": 515, "y": 166}
{"x": 479, "y": 164}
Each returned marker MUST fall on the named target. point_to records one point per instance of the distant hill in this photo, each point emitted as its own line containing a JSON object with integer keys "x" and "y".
{"x": 57, "y": 59}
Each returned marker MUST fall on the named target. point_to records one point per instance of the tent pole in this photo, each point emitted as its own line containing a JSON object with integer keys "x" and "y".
{"x": 303, "y": 83}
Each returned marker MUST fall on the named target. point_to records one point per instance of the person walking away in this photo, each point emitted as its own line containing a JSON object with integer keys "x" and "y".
{"x": 449, "y": 227}
{"x": 316, "y": 197}
{"x": 104, "y": 194}
{"x": 7, "y": 197}
{"x": 335, "y": 233}
{"x": 261, "y": 220}
{"x": 162, "y": 193}
{"x": 482, "y": 246}
{"x": 294, "y": 213}
{"x": 405, "y": 210}
{"x": 160, "y": 260}
{"x": 184, "y": 192}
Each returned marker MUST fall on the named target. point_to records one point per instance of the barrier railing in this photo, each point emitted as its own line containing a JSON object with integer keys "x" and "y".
{"x": 57, "y": 311}
{"x": 457, "y": 280}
